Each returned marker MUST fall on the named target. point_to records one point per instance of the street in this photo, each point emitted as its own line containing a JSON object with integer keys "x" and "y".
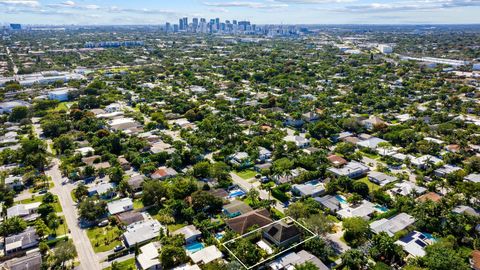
{"x": 86, "y": 255}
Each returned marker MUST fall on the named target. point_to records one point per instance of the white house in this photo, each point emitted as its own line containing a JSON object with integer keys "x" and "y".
{"x": 61, "y": 94}
{"x": 393, "y": 224}
{"x": 190, "y": 233}
{"x": 206, "y": 255}
{"x": 148, "y": 258}
{"x": 120, "y": 206}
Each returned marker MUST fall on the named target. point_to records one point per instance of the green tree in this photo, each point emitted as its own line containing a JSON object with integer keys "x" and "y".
{"x": 384, "y": 249}
{"x": 64, "y": 251}
{"x": 41, "y": 229}
{"x": 356, "y": 230}
{"x": 153, "y": 192}
{"x": 12, "y": 225}
{"x": 354, "y": 259}
{"x": 172, "y": 256}
{"x": 18, "y": 113}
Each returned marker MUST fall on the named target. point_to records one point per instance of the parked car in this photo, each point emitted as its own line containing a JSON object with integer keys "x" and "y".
{"x": 118, "y": 248}
{"x": 103, "y": 223}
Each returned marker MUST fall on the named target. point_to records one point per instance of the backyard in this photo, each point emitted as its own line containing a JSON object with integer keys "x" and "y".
{"x": 246, "y": 174}
{"x": 104, "y": 238}
{"x": 371, "y": 186}
{"x": 125, "y": 265}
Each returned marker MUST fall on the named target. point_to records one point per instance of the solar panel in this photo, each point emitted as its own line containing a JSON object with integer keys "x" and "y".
{"x": 420, "y": 243}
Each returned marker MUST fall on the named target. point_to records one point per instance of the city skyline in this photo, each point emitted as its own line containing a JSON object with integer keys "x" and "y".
{"x": 108, "y": 12}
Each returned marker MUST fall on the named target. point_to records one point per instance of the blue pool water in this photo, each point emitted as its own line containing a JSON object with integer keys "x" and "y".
{"x": 313, "y": 182}
{"x": 219, "y": 236}
{"x": 381, "y": 208}
{"x": 430, "y": 236}
{"x": 236, "y": 193}
{"x": 194, "y": 247}
{"x": 340, "y": 199}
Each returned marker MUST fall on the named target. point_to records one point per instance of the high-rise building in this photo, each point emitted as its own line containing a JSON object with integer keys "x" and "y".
{"x": 195, "y": 24}
{"x": 185, "y": 23}
{"x": 235, "y": 22}
{"x": 168, "y": 27}
{"x": 180, "y": 24}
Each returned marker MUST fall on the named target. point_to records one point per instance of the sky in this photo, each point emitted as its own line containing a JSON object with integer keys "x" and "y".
{"x": 123, "y": 12}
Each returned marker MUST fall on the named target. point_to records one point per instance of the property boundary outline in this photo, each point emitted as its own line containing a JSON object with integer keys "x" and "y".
{"x": 275, "y": 255}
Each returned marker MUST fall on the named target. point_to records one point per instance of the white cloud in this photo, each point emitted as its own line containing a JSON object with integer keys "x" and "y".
{"x": 25, "y": 3}
{"x": 257, "y": 5}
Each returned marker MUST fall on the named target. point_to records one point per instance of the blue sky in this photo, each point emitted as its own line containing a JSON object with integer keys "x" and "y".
{"x": 257, "y": 11}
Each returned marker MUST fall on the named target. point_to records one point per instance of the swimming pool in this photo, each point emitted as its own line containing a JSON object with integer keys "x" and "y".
{"x": 219, "y": 236}
{"x": 236, "y": 193}
{"x": 194, "y": 247}
{"x": 381, "y": 208}
{"x": 340, "y": 198}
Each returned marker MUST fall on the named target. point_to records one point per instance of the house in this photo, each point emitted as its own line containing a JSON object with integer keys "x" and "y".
{"x": 142, "y": 232}
{"x": 381, "y": 178}
{"x": 312, "y": 188}
{"x": 371, "y": 143}
{"x": 187, "y": 267}
{"x": 240, "y": 159}
{"x": 113, "y": 107}
{"x": 467, "y": 210}
{"x": 337, "y": 161}
{"x": 120, "y": 206}
{"x": 236, "y": 208}
{"x": 282, "y": 234}
{"x": 240, "y": 224}
{"x": 27, "y": 212}
{"x": 90, "y": 160}
{"x": 148, "y": 259}
{"x": 353, "y": 169}
{"x": 161, "y": 146}
{"x": 206, "y": 255}
{"x": 424, "y": 161}
{"x": 393, "y": 224}
{"x": 475, "y": 260}
{"x": 22, "y": 241}
{"x": 363, "y": 210}
{"x": 14, "y": 182}
{"x": 372, "y": 122}
{"x": 406, "y": 188}
{"x": 84, "y": 151}
{"x": 260, "y": 167}
{"x": 219, "y": 193}
{"x": 30, "y": 261}
{"x": 136, "y": 182}
{"x": 163, "y": 173}
{"x": 473, "y": 177}
{"x": 446, "y": 170}
{"x": 299, "y": 141}
{"x": 414, "y": 243}
{"x": 310, "y": 116}
{"x": 127, "y": 218}
{"x": 7, "y": 107}
{"x": 61, "y": 94}
{"x": 329, "y": 202}
{"x": 124, "y": 163}
{"x": 264, "y": 154}
{"x": 190, "y": 233}
{"x": 288, "y": 177}
{"x": 291, "y": 259}
{"x": 430, "y": 196}
{"x": 103, "y": 189}
{"x": 125, "y": 124}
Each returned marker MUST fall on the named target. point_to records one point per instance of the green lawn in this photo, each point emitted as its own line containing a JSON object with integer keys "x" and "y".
{"x": 372, "y": 156}
{"x": 125, "y": 265}
{"x": 63, "y": 228}
{"x": 174, "y": 227}
{"x": 105, "y": 238}
{"x": 246, "y": 174}
{"x": 138, "y": 204}
{"x": 56, "y": 205}
{"x": 371, "y": 186}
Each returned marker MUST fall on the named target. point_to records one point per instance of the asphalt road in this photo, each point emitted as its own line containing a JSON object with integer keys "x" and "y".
{"x": 86, "y": 255}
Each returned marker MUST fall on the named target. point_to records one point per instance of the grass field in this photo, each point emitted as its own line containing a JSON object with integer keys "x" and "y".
{"x": 138, "y": 204}
{"x": 63, "y": 228}
{"x": 105, "y": 238}
{"x": 246, "y": 174}
{"x": 371, "y": 186}
{"x": 125, "y": 265}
